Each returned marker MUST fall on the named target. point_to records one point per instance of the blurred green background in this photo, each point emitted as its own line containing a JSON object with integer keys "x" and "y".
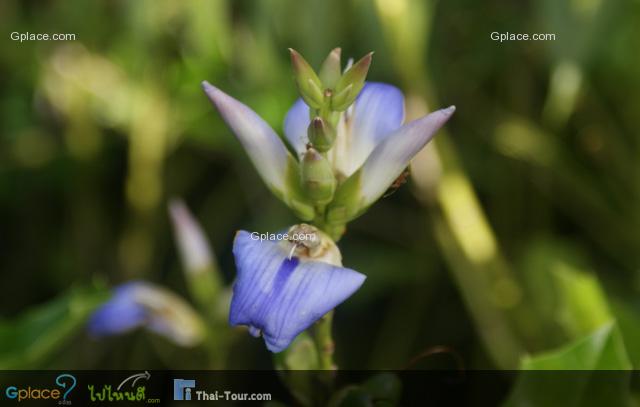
{"x": 518, "y": 233}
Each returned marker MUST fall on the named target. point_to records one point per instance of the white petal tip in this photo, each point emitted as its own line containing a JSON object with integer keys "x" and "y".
{"x": 212, "y": 92}
{"x": 449, "y": 110}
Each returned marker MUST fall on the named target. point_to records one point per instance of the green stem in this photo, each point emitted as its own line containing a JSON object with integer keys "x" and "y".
{"x": 322, "y": 337}
{"x": 324, "y": 342}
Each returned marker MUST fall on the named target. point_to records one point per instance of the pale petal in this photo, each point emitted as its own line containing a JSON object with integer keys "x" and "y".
{"x": 392, "y": 155}
{"x": 192, "y": 242}
{"x": 378, "y": 111}
{"x": 281, "y": 297}
{"x": 265, "y": 149}
{"x": 296, "y": 124}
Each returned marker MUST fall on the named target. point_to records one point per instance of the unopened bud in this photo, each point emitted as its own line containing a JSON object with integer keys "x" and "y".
{"x": 321, "y": 134}
{"x": 330, "y": 71}
{"x": 309, "y": 85}
{"x": 317, "y": 177}
{"x": 354, "y": 79}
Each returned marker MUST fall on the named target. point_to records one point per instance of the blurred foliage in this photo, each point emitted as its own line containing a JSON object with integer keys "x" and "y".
{"x": 521, "y": 234}
{"x": 602, "y": 350}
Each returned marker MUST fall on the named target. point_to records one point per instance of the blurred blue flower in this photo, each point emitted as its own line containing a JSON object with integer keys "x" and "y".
{"x": 280, "y": 296}
{"x": 120, "y": 314}
{"x": 140, "y": 304}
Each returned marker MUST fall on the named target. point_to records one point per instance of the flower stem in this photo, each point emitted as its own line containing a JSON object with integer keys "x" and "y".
{"x": 322, "y": 335}
{"x": 324, "y": 342}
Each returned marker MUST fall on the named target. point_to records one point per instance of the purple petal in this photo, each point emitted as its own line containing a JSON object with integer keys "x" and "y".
{"x": 282, "y": 297}
{"x": 142, "y": 304}
{"x": 392, "y": 155}
{"x": 118, "y": 315}
{"x": 378, "y": 112}
{"x": 265, "y": 149}
{"x": 296, "y": 123}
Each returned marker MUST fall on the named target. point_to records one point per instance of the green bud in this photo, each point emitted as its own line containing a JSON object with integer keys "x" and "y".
{"x": 353, "y": 78}
{"x": 317, "y": 177}
{"x": 330, "y": 71}
{"x": 309, "y": 85}
{"x": 321, "y": 134}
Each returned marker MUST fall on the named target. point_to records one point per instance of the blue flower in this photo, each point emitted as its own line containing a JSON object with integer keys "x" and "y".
{"x": 372, "y": 142}
{"x": 139, "y": 304}
{"x": 280, "y": 296}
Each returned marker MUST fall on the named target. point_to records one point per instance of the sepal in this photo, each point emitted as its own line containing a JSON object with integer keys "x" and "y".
{"x": 353, "y": 78}
{"x": 330, "y": 72}
{"x": 309, "y": 85}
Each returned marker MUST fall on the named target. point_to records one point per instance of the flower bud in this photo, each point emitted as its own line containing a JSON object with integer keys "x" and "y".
{"x": 330, "y": 71}
{"x": 201, "y": 269}
{"x": 317, "y": 177}
{"x": 350, "y": 84}
{"x": 309, "y": 85}
{"x": 321, "y": 134}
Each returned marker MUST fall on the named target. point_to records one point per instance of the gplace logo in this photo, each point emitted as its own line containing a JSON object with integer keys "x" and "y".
{"x": 65, "y": 381}
{"x": 182, "y": 389}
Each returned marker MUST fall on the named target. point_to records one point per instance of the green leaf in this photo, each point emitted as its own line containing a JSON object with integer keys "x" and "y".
{"x": 591, "y": 371}
{"x": 627, "y": 315}
{"x": 27, "y": 342}
{"x": 583, "y": 304}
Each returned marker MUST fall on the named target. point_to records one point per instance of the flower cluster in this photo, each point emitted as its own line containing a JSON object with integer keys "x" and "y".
{"x": 350, "y": 144}
{"x": 347, "y": 145}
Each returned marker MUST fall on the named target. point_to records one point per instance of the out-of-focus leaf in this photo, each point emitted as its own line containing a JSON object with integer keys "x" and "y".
{"x": 583, "y": 304}
{"x": 351, "y": 396}
{"x": 26, "y": 342}
{"x": 591, "y": 371}
{"x": 563, "y": 290}
{"x": 384, "y": 387}
{"x": 628, "y": 318}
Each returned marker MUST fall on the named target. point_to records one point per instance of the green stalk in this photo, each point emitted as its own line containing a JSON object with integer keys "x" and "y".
{"x": 324, "y": 342}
